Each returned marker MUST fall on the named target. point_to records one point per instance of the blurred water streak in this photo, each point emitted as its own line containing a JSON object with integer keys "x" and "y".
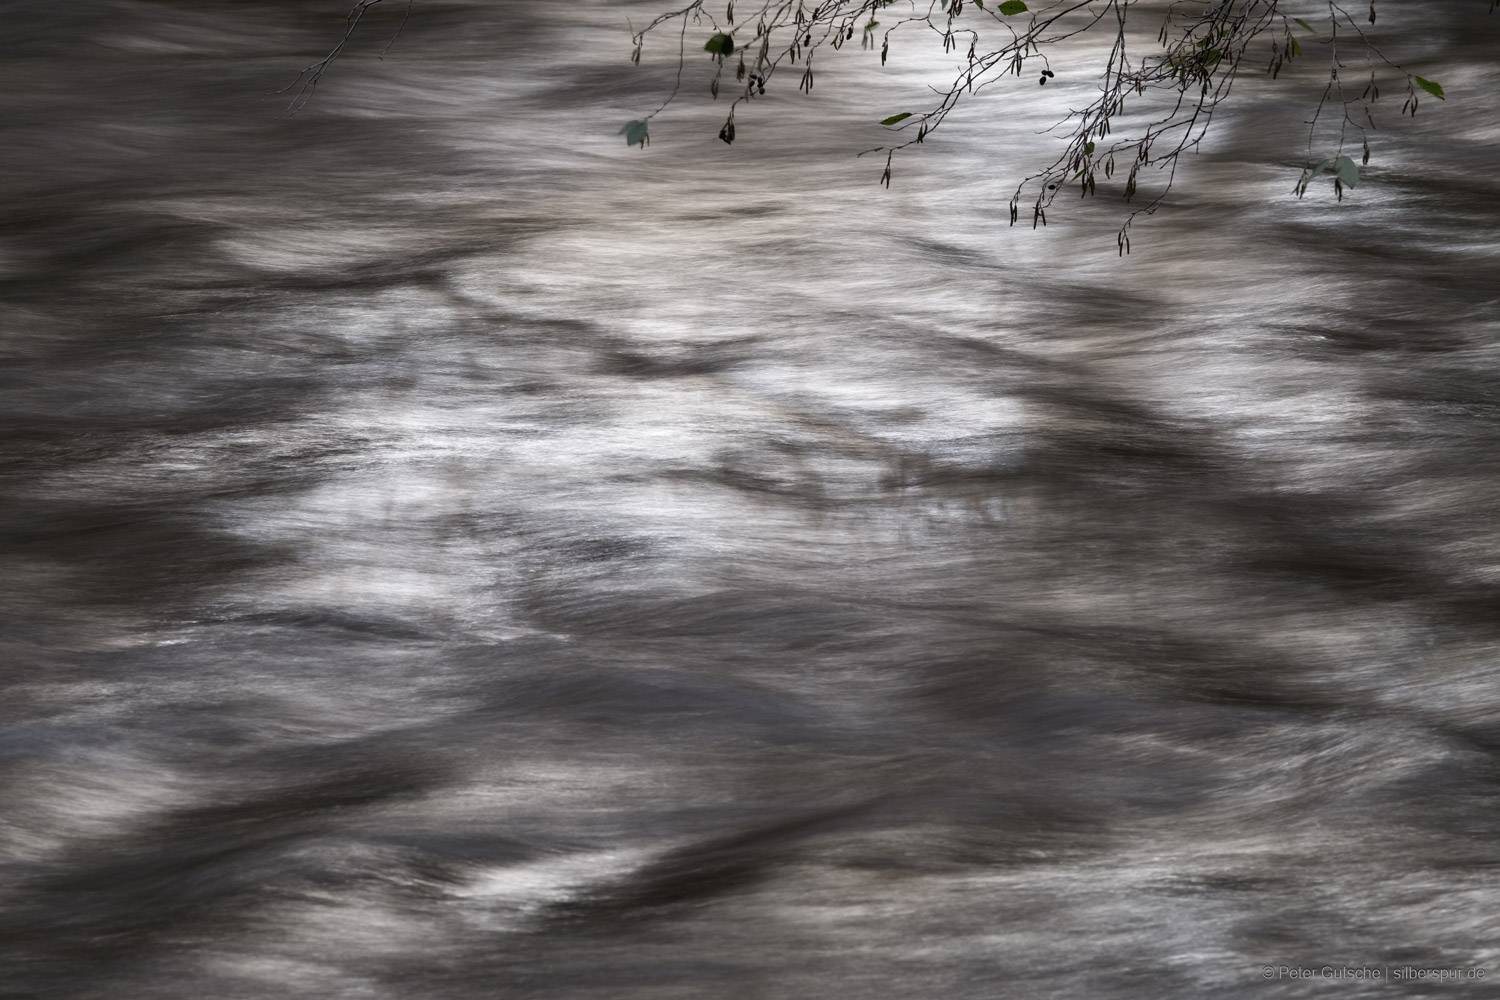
{"x": 451, "y": 554}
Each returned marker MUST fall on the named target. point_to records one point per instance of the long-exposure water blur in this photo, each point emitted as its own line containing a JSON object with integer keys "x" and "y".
{"x": 450, "y": 553}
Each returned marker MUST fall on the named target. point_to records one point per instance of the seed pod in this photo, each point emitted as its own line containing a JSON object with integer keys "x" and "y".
{"x": 727, "y": 132}
{"x": 739, "y": 73}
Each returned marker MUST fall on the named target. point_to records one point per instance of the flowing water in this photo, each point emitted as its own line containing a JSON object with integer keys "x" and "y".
{"x": 450, "y": 554}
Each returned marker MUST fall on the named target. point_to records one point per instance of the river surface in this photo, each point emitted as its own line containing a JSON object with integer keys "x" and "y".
{"x": 449, "y": 554}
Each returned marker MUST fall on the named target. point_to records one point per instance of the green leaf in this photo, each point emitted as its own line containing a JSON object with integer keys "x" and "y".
{"x": 720, "y": 45}
{"x": 893, "y": 119}
{"x": 1321, "y": 166}
{"x": 1296, "y": 48}
{"x": 1304, "y": 24}
{"x": 635, "y": 133}
{"x": 1012, "y": 7}
{"x": 1088, "y": 149}
{"x": 1347, "y": 170}
{"x": 1435, "y": 89}
{"x": 979, "y": 4}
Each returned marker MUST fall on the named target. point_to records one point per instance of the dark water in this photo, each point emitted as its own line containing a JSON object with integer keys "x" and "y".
{"x": 448, "y": 554}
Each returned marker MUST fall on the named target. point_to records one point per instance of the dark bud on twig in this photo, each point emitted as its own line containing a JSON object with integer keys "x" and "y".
{"x": 727, "y": 132}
